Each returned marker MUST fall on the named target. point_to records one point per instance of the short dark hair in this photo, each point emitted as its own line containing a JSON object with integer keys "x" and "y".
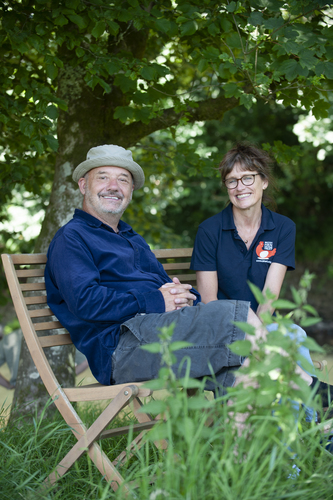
{"x": 249, "y": 157}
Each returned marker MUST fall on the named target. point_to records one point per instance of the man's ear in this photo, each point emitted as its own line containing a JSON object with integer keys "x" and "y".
{"x": 82, "y": 185}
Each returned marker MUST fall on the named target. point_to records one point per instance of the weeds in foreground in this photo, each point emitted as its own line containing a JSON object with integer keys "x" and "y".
{"x": 275, "y": 454}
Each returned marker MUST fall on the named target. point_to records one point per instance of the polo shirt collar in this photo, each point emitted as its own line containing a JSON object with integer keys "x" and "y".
{"x": 228, "y": 219}
{"x": 94, "y": 222}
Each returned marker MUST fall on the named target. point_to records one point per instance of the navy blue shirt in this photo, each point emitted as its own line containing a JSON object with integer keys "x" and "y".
{"x": 95, "y": 280}
{"x": 218, "y": 247}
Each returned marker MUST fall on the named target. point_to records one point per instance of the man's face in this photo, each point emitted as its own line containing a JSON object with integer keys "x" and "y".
{"x": 106, "y": 190}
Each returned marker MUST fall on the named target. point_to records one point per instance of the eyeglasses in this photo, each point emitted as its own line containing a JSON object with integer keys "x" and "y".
{"x": 246, "y": 180}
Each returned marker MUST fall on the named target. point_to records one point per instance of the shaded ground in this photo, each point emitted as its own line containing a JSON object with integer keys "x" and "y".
{"x": 6, "y": 396}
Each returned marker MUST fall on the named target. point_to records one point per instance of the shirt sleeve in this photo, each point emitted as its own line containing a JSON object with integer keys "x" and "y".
{"x": 75, "y": 274}
{"x": 204, "y": 257}
{"x": 285, "y": 252}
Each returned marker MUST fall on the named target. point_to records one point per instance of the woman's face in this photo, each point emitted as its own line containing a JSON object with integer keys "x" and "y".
{"x": 245, "y": 197}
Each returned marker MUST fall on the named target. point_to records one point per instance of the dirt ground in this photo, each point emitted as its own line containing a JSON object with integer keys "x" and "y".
{"x": 6, "y": 396}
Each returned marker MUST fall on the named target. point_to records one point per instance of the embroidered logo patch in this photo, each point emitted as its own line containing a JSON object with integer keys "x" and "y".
{"x": 265, "y": 250}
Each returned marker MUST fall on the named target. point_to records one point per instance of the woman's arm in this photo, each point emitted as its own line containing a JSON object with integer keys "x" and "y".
{"x": 207, "y": 285}
{"x": 274, "y": 280}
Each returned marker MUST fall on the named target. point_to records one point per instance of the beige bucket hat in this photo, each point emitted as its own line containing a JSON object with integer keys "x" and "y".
{"x": 113, "y": 156}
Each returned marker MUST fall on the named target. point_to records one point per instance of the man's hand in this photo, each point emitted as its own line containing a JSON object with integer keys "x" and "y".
{"x": 176, "y": 295}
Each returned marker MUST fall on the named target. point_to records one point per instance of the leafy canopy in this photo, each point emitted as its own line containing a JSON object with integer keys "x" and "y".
{"x": 161, "y": 64}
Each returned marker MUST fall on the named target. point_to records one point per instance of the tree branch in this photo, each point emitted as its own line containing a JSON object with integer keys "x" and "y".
{"x": 210, "y": 109}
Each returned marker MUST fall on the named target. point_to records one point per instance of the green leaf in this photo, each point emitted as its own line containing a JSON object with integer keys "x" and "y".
{"x": 273, "y": 23}
{"x": 309, "y": 322}
{"x": 52, "y": 142}
{"x": 232, "y": 90}
{"x": 155, "y": 384}
{"x": 328, "y": 69}
{"x": 98, "y": 29}
{"x": 189, "y": 28}
{"x": 112, "y": 67}
{"x": 231, "y": 7}
{"x": 154, "y": 406}
{"x": 52, "y": 112}
{"x": 256, "y": 19}
{"x": 38, "y": 145}
{"x": 78, "y": 20}
{"x": 312, "y": 345}
{"x": 176, "y": 346}
{"x": 213, "y": 29}
{"x": 290, "y": 69}
{"x": 148, "y": 73}
{"x": 51, "y": 71}
{"x": 320, "y": 109}
{"x": 296, "y": 295}
{"x": 283, "y": 304}
{"x": 187, "y": 429}
{"x": 154, "y": 348}
{"x": 125, "y": 84}
{"x": 257, "y": 293}
{"x": 27, "y": 127}
{"x": 113, "y": 27}
{"x": 199, "y": 402}
{"x": 310, "y": 309}
{"x": 245, "y": 327}
{"x": 246, "y": 100}
{"x": 203, "y": 65}
{"x": 163, "y": 25}
{"x": 307, "y": 59}
{"x": 241, "y": 347}
{"x": 60, "y": 20}
{"x": 80, "y": 52}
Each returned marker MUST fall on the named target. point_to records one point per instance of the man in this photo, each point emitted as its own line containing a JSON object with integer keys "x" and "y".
{"x": 112, "y": 295}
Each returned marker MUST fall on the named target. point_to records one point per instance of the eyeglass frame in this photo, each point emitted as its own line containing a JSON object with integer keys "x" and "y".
{"x": 241, "y": 179}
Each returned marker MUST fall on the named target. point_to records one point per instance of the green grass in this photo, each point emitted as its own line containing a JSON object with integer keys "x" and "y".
{"x": 200, "y": 463}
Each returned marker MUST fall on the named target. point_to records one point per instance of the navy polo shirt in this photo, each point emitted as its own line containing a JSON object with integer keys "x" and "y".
{"x": 218, "y": 247}
{"x": 95, "y": 280}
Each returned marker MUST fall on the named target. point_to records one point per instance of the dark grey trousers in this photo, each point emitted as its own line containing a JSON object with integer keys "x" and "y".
{"x": 209, "y": 328}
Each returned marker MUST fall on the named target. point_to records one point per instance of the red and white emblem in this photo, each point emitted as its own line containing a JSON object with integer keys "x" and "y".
{"x": 265, "y": 251}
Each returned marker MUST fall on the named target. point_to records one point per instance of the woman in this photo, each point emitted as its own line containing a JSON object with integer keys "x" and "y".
{"x": 246, "y": 241}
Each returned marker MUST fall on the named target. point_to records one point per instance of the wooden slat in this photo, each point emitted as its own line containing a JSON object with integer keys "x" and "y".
{"x": 39, "y": 313}
{"x": 183, "y": 278}
{"x": 36, "y": 299}
{"x": 27, "y": 259}
{"x": 171, "y": 253}
{"x": 176, "y": 265}
{"x": 119, "y": 431}
{"x": 30, "y": 273}
{"x": 32, "y": 286}
{"x": 55, "y": 340}
{"x": 50, "y": 325}
{"x": 98, "y": 391}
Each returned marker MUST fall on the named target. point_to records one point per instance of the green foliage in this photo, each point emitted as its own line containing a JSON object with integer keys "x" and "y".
{"x": 171, "y": 55}
{"x": 207, "y": 455}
